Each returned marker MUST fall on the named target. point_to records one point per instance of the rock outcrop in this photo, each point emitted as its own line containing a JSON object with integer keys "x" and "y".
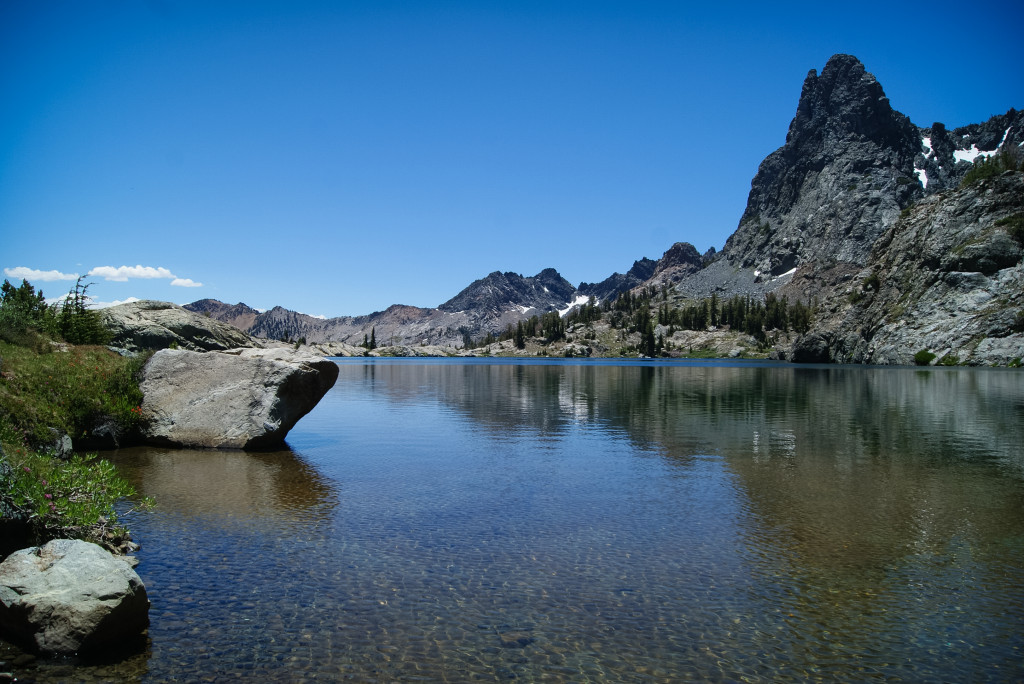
{"x": 148, "y": 324}
{"x": 946, "y": 278}
{"x": 617, "y": 283}
{"x": 844, "y": 174}
{"x": 244, "y": 399}
{"x": 851, "y": 163}
{"x": 70, "y": 596}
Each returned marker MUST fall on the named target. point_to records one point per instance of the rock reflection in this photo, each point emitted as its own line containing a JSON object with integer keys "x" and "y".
{"x": 875, "y": 503}
{"x": 228, "y": 484}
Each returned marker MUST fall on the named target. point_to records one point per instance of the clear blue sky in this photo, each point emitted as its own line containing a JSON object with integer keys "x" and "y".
{"x": 338, "y": 157}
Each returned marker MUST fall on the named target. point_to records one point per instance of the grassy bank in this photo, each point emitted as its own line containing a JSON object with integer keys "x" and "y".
{"x": 48, "y": 390}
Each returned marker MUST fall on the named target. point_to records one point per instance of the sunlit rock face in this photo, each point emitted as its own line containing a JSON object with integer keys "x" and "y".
{"x": 248, "y": 399}
{"x": 148, "y": 324}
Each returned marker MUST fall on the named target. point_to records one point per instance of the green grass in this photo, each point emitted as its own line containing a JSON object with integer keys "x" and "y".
{"x": 70, "y": 389}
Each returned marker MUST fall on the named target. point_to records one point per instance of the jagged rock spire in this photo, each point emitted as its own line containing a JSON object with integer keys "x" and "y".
{"x": 841, "y": 179}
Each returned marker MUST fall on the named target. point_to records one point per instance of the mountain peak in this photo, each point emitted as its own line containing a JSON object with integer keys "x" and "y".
{"x": 844, "y": 102}
{"x": 842, "y": 177}
{"x": 510, "y": 291}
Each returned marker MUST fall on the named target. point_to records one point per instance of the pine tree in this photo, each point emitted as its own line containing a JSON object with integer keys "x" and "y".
{"x": 520, "y": 336}
{"x": 78, "y": 324}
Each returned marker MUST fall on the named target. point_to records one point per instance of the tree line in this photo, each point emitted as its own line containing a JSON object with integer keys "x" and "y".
{"x": 24, "y": 312}
{"x": 648, "y": 309}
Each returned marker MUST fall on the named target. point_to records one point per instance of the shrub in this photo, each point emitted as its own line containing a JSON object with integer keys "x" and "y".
{"x": 872, "y": 282}
{"x": 949, "y": 360}
{"x": 923, "y": 357}
{"x": 57, "y": 499}
{"x": 1006, "y": 160}
{"x": 23, "y": 314}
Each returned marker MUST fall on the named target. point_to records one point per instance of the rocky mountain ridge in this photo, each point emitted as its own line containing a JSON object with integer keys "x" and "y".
{"x": 850, "y": 165}
{"x": 487, "y": 305}
{"x": 845, "y": 201}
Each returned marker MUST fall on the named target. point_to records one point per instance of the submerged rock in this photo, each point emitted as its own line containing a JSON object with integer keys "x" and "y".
{"x": 244, "y": 399}
{"x": 70, "y": 596}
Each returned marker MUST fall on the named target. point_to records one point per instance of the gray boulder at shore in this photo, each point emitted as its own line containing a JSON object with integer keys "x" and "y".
{"x": 243, "y": 399}
{"x": 70, "y": 596}
{"x": 149, "y": 324}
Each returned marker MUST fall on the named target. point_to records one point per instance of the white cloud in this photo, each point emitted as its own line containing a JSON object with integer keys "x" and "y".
{"x": 31, "y": 274}
{"x": 104, "y": 305}
{"x": 185, "y": 282}
{"x": 123, "y": 273}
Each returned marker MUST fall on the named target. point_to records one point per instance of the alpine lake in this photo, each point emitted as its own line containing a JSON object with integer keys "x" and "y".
{"x": 445, "y": 520}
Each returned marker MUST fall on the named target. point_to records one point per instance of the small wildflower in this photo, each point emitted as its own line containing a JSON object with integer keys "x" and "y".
{"x": 48, "y": 496}
{"x": 26, "y": 469}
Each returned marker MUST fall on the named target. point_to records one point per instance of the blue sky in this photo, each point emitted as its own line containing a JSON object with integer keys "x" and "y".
{"x": 338, "y": 157}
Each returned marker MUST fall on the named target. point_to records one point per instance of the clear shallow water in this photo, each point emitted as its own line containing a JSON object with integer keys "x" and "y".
{"x": 598, "y": 521}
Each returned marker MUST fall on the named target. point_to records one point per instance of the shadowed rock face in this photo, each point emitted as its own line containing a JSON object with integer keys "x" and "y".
{"x": 617, "y": 283}
{"x": 249, "y": 399}
{"x": 69, "y": 597}
{"x": 850, "y": 165}
{"x": 150, "y": 324}
{"x": 846, "y": 170}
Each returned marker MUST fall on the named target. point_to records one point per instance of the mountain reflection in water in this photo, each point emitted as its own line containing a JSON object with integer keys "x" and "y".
{"x": 599, "y": 521}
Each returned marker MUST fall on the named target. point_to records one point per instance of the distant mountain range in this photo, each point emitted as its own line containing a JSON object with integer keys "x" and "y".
{"x": 485, "y": 305}
{"x": 827, "y": 211}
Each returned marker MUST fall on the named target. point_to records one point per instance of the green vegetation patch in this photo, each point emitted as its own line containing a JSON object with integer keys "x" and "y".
{"x": 923, "y": 357}
{"x": 71, "y": 390}
{"x": 50, "y": 386}
{"x": 56, "y": 499}
{"x": 1007, "y": 160}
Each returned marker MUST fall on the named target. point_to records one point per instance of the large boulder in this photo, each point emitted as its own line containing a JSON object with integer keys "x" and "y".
{"x": 245, "y": 399}
{"x": 70, "y": 596}
{"x": 149, "y": 324}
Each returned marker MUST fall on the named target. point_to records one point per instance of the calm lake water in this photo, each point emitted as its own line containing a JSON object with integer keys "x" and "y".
{"x": 598, "y": 521}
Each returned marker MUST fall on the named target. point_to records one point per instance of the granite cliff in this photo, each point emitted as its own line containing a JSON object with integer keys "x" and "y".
{"x": 850, "y": 165}
{"x": 870, "y": 215}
